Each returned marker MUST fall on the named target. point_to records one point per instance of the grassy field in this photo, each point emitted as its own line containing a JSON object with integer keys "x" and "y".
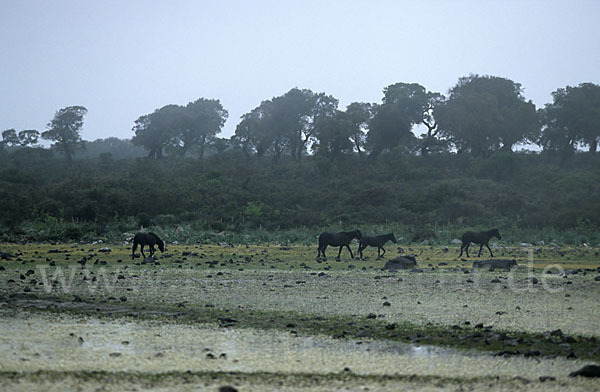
{"x": 270, "y": 317}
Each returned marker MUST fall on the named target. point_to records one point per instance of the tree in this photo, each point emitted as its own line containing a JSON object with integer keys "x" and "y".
{"x": 180, "y": 128}
{"x": 197, "y": 124}
{"x": 65, "y": 130}
{"x": 9, "y": 138}
{"x": 571, "y": 118}
{"x": 22, "y": 139}
{"x": 403, "y": 106}
{"x": 334, "y": 135}
{"x": 359, "y": 115}
{"x": 284, "y": 124}
{"x": 153, "y": 131}
{"x": 486, "y": 113}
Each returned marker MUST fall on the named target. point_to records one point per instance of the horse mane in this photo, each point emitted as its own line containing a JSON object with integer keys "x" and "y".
{"x": 155, "y": 236}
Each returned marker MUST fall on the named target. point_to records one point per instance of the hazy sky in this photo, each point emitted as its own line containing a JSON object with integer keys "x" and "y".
{"x": 123, "y": 59}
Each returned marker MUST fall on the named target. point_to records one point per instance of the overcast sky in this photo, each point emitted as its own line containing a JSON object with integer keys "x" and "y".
{"x": 123, "y": 59}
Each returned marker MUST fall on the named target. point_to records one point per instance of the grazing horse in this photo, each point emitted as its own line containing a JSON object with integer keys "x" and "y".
{"x": 481, "y": 238}
{"x": 377, "y": 241}
{"x": 149, "y": 239}
{"x": 337, "y": 239}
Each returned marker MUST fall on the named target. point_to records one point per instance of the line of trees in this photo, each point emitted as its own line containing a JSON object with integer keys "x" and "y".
{"x": 480, "y": 115}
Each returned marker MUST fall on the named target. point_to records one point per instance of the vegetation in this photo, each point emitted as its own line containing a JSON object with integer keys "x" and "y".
{"x": 297, "y": 162}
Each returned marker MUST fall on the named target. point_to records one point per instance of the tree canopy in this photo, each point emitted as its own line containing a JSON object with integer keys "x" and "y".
{"x": 65, "y": 130}
{"x": 483, "y": 114}
{"x": 572, "y": 118}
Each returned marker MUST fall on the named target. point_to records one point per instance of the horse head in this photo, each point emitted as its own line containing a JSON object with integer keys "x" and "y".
{"x": 496, "y": 233}
{"x": 357, "y": 234}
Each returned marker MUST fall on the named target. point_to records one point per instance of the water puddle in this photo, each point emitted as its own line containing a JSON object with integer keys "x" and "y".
{"x": 32, "y": 341}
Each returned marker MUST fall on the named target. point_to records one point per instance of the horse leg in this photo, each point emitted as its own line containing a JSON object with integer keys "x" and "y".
{"x": 461, "y": 250}
{"x": 339, "y": 253}
{"x": 480, "y": 247}
{"x": 151, "y": 250}
{"x": 361, "y": 247}
{"x": 491, "y": 254}
{"x": 467, "y": 249}
{"x": 133, "y": 249}
{"x": 323, "y": 251}
{"x": 383, "y": 249}
{"x": 142, "y": 250}
{"x": 349, "y": 250}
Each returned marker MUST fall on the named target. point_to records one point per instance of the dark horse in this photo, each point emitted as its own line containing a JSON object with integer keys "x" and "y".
{"x": 482, "y": 238}
{"x": 377, "y": 241}
{"x": 337, "y": 239}
{"x": 149, "y": 239}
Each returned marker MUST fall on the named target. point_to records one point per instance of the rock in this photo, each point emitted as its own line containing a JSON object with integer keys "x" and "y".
{"x": 364, "y": 334}
{"x": 386, "y": 303}
{"x": 587, "y": 371}
{"x": 6, "y": 256}
{"x": 227, "y": 388}
{"x": 400, "y": 263}
{"x": 547, "y": 378}
{"x": 495, "y": 280}
{"x": 104, "y": 250}
{"x": 597, "y": 278}
{"x": 371, "y": 316}
{"x": 456, "y": 241}
{"x": 495, "y": 264}
{"x": 525, "y": 244}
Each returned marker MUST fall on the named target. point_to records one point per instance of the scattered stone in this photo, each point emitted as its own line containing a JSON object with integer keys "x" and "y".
{"x": 227, "y": 388}
{"x": 371, "y": 316}
{"x": 547, "y": 378}
{"x": 495, "y": 280}
{"x": 114, "y": 354}
{"x": 400, "y": 263}
{"x": 104, "y": 250}
{"x": 492, "y": 265}
{"x": 364, "y": 334}
{"x": 386, "y": 303}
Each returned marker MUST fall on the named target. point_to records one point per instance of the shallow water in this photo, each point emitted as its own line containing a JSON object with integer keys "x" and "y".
{"x": 32, "y": 341}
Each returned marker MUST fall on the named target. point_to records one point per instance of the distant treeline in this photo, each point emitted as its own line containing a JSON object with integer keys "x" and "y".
{"x": 229, "y": 192}
{"x": 480, "y": 115}
{"x": 298, "y": 161}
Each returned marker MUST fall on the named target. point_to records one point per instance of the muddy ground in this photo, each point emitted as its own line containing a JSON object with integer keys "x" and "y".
{"x": 269, "y": 317}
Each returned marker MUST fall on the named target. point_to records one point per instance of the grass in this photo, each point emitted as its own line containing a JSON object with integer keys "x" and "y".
{"x": 283, "y": 288}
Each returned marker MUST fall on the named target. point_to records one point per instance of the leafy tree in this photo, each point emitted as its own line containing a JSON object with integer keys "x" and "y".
{"x": 22, "y": 139}
{"x": 487, "y": 113}
{"x": 359, "y": 115}
{"x": 284, "y": 124}
{"x": 197, "y": 124}
{"x": 180, "y": 128}
{"x": 250, "y": 135}
{"x": 10, "y": 138}
{"x": 153, "y": 131}
{"x": 334, "y": 135}
{"x": 65, "y": 130}
{"x": 403, "y": 106}
{"x": 571, "y": 118}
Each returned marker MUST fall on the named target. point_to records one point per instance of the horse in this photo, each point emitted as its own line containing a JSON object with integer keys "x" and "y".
{"x": 149, "y": 239}
{"x": 377, "y": 241}
{"x": 337, "y": 239}
{"x": 481, "y": 238}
